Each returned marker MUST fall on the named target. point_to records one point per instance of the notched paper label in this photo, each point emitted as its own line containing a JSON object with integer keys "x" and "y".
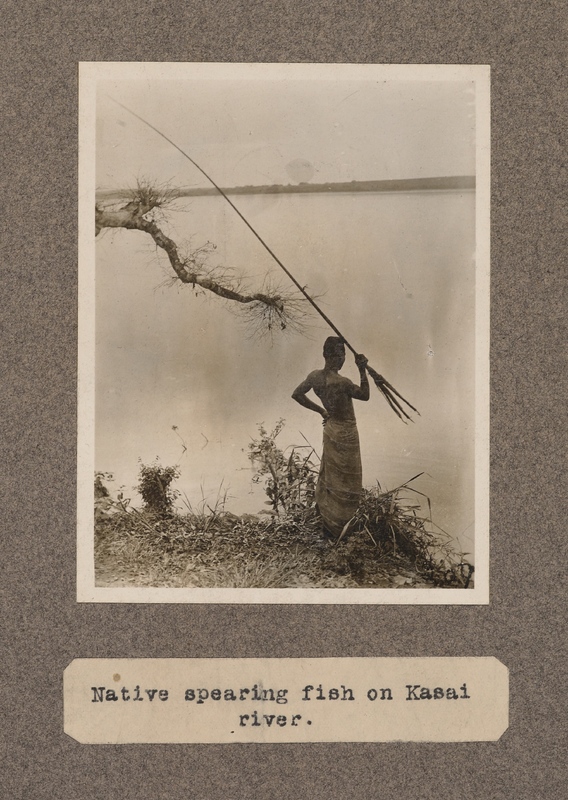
{"x": 219, "y": 700}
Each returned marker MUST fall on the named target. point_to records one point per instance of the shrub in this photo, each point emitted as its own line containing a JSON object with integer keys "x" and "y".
{"x": 155, "y": 487}
{"x": 291, "y": 478}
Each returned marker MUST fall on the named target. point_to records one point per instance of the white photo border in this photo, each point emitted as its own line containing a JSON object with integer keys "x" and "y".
{"x": 90, "y": 73}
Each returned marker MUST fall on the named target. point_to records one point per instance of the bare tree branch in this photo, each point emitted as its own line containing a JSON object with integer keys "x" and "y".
{"x": 132, "y": 216}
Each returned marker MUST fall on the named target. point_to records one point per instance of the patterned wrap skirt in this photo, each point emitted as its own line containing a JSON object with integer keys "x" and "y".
{"x": 338, "y": 491}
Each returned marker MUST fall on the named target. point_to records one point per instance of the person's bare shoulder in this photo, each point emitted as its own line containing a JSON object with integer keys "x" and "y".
{"x": 313, "y": 380}
{"x": 316, "y": 378}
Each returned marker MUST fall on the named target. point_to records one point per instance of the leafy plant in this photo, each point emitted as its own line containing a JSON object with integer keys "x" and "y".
{"x": 290, "y": 477}
{"x": 155, "y": 487}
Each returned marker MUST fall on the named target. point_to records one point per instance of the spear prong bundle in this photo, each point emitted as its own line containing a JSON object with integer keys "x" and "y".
{"x": 389, "y": 392}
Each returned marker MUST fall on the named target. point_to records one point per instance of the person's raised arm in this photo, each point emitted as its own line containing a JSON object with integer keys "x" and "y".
{"x": 361, "y": 392}
{"x": 299, "y": 395}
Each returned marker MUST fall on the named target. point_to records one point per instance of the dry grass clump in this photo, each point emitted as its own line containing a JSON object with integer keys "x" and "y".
{"x": 394, "y": 528}
{"x": 151, "y": 194}
{"x": 276, "y": 309}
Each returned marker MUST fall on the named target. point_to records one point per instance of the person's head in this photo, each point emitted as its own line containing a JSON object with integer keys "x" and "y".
{"x": 334, "y": 352}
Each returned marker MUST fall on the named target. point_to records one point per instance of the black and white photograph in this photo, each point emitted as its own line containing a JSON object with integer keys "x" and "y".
{"x": 283, "y": 333}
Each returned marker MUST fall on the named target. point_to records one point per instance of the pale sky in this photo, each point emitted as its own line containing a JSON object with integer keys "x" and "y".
{"x": 248, "y": 132}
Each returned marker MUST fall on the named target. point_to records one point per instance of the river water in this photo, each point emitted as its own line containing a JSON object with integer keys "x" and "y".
{"x": 395, "y": 272}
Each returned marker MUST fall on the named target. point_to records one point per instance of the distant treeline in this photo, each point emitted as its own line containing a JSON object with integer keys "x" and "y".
{"x": 451, "y": 183}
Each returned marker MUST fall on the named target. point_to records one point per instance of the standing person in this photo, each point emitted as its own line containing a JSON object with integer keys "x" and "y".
{"x": 340, "y": 479}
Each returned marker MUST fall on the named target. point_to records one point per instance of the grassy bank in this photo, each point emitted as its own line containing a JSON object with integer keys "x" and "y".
{"x": 387, "y": 544}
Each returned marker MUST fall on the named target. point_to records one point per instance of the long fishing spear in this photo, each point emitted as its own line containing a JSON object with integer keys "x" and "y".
{"x": 388, "y": 391}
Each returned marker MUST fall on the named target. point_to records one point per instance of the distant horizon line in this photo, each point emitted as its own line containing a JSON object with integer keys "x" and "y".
{"x": 447, "y": 183}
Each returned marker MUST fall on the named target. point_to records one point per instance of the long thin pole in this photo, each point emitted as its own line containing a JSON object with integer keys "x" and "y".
{"x": 382, "y": 384}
